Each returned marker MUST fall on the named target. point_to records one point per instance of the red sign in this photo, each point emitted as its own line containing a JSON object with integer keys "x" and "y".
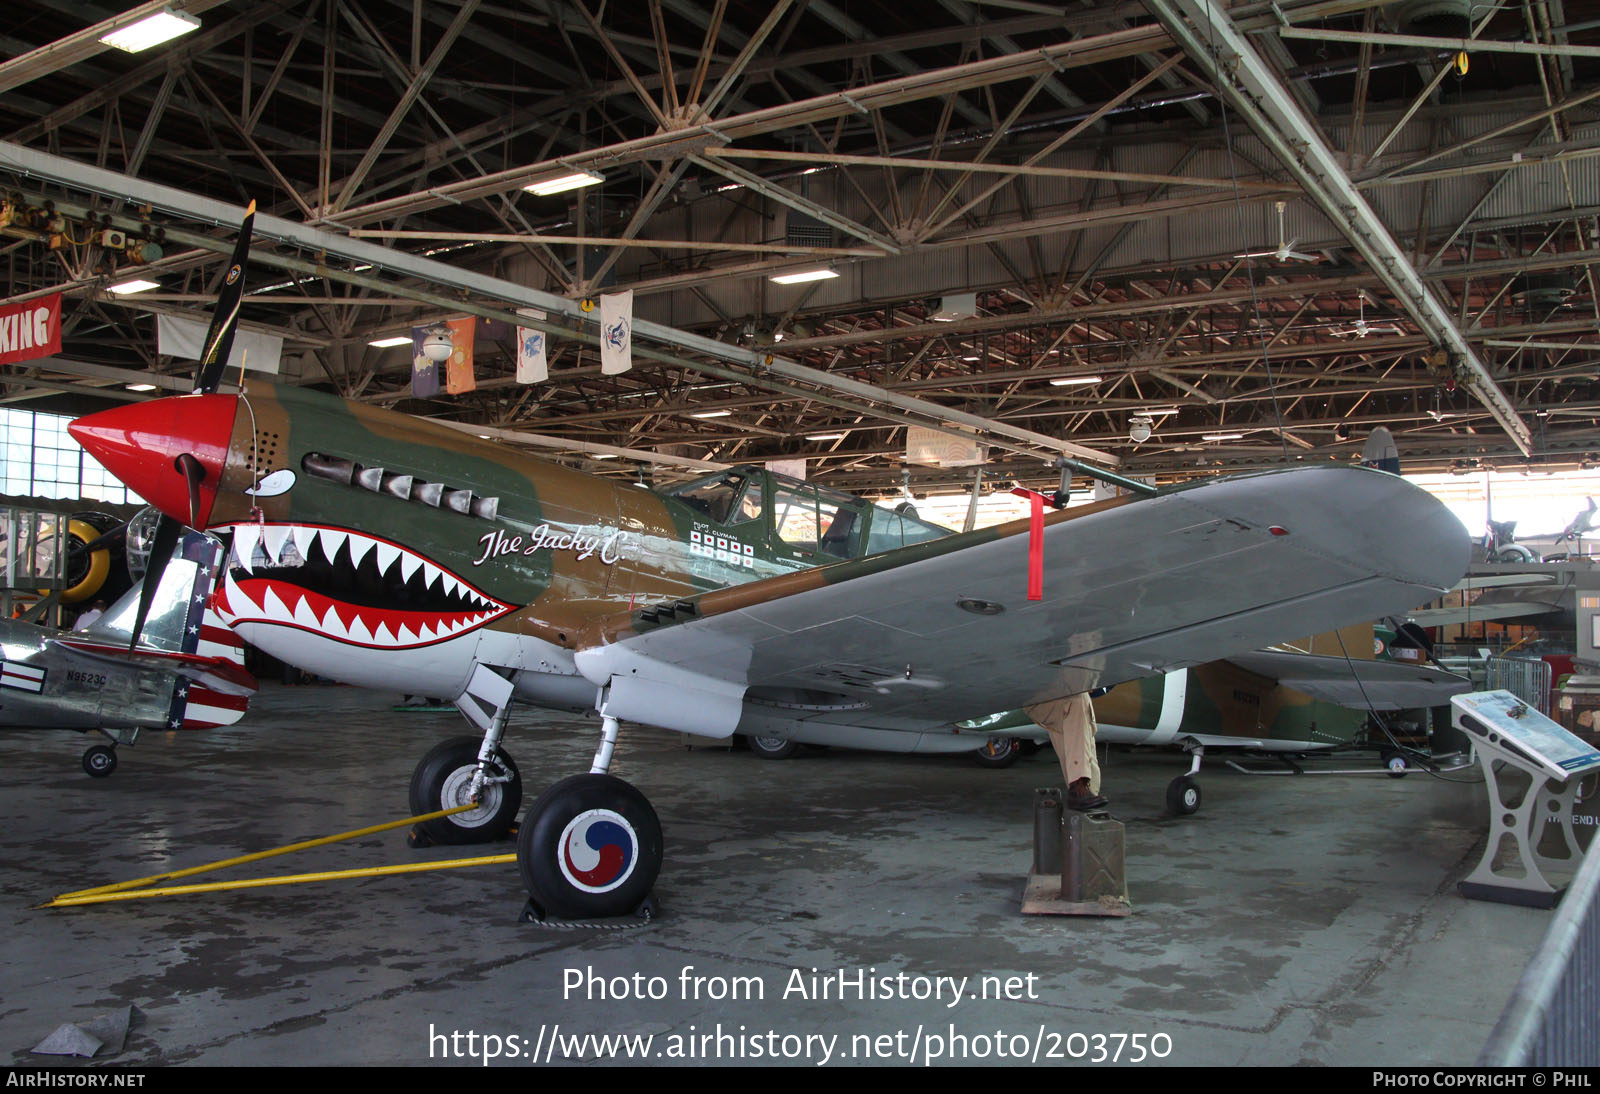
{"x": 30, "y": 329}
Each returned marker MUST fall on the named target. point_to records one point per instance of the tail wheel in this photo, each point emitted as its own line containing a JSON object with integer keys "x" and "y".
{"x": 99, "y": 761}
{"x": 773, "y": 748}
{"x": 1183, "y": 795}
{"x": 443, "y": 780}
{"x": 998, "y": 752}
{"x": 590, "y": 848}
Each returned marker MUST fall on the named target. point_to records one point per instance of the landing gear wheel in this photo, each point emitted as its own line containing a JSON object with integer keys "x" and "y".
{"x": 998, "y": 752}
{"x": 442, "y": 781}
{"x": 589, "y": 848}
{"x": 1183, "y": 795}
{"x": 99, "y": 761}
{"x": 773, "y": 748}
{"x": 1396, "y": 765}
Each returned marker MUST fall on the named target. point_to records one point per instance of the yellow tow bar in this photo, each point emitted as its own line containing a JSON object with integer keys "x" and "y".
{"x": 136, "y": 888}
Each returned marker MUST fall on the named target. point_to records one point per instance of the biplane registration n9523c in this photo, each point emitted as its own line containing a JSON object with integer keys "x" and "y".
{"x": 391, "y": 552}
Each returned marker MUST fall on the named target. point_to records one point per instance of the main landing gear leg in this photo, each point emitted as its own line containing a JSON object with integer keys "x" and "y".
{"x": 590, "y": 847}
{"x": 464, "y": 770}
{"x": 1183, "y": 793}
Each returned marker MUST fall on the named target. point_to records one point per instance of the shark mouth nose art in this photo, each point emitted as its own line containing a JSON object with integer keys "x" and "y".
{"x": 348, "y": 587}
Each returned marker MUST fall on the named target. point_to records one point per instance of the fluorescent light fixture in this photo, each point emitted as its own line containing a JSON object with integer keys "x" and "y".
{"x": 141, "y": 387}
{"x": 711, "y": 414}
{"x": 560, "y": 184}
{"x": 1074, "y": 381}
{"x": 136, "y": 285}
{"x": 802, "y": 276}
{"x": 385, "y": 343}
{"x": 152, "y": 30}
{"x": 1221, "y": 436}
{"x": 974, "y": 358}
{"x": 602, "y": 455}
{"x": 824, "y": 436}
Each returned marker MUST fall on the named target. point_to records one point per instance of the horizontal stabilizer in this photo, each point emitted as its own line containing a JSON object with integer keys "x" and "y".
{"x": 1364, "y": 684}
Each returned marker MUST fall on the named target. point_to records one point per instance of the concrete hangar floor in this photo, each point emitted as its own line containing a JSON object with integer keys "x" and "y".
{"x": 1291, "y": 921}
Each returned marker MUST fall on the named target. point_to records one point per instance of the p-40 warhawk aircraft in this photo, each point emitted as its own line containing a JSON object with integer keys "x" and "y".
{"x": 186, "y": 671}
{"x": 391, "y": 552}
{"x": 396, "y": 553}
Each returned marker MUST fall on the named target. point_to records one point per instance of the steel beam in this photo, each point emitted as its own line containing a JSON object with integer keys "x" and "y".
{"x": 32, "y": 163}
{"x": 1206, "y": 33}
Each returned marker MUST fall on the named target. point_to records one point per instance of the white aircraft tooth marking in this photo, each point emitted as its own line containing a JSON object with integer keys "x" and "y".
{"x": 408, "y": 565}
{"x": 359, "y": 546}
{"x": 333, "y": 625}
{"x": 387, "y": 553}
{"x": 425, "y": 633}
{"x": 330, "y": 539}
{"x": 404, "y": 636}
{"x": 273, "y": 609}
{"x": 430, "y": 575}
{"x": 305, "y": 616}
{"x": 236, "y": 599}
{"x": 273, "y": 537}
{"x": 245, "y": 537}
{"x": 359, "y": 632}
{"x": 382, "y": 637}
{"x": 451, "y": 585}
{"x": 304, "y": 537}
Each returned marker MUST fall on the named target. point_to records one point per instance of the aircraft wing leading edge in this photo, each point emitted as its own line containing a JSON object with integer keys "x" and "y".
{"x": 943, "y": 631}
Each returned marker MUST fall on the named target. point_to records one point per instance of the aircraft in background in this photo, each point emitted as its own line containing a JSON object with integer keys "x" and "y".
{"x": 186, "y": 672}
{"x": 397, "y": 553}
{"x": 1315, "y": 695}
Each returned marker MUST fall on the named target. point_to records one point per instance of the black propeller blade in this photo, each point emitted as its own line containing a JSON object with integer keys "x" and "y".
{"x": 218, "y": 345}
{"x": 194, "y": 474}
{"x": 166, "y": 538}
{"x": 219, "y": 336}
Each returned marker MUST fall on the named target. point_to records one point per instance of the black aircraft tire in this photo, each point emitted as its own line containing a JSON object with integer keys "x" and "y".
{"x": 998, "y": 752}
{"x": 441, "y": 780}
{"x": 99, "y": 761}
{"x": 773, "y": 748}
{"x": 1183, "y": 796}
{"x": 590, "y": 848}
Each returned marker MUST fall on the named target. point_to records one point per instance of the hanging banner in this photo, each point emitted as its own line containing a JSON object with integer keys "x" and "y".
{"x": 30, "y": 329}
{"x": 180, "y": 337}
{"x": 936, "y": 448}
{"x": 616, "y": 333}
{"x": 533, "y": 358}
{"x": 459, "y": 375}
{"x": 429, "y": 346}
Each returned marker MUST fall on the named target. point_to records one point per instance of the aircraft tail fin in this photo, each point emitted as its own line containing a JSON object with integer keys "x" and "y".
{"x": 211, "y": 686}
{"x": 178, "y": 603}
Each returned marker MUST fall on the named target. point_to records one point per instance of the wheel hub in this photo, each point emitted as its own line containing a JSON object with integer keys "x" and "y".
{"x": 458, "y": 791}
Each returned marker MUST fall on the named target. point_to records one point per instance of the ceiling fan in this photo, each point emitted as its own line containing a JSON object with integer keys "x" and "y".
{"x": 1284, "y": 251}
{"x": 1362, "y": 328}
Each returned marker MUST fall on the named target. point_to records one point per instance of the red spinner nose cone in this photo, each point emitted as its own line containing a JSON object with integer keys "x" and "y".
{"x": 141, "y": 442}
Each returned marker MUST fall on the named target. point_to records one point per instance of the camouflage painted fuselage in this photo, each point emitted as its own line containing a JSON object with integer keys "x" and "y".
{"x": 391, "y": 552}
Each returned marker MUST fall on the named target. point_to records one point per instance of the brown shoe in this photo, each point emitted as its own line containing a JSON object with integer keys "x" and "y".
{"x": 1081, "y": 799}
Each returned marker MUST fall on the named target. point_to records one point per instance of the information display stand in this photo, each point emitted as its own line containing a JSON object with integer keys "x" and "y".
{"x": 1509, "y": 735}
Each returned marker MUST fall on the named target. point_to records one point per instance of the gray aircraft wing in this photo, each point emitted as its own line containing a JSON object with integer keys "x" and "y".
{"x": 943, "y": 631}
